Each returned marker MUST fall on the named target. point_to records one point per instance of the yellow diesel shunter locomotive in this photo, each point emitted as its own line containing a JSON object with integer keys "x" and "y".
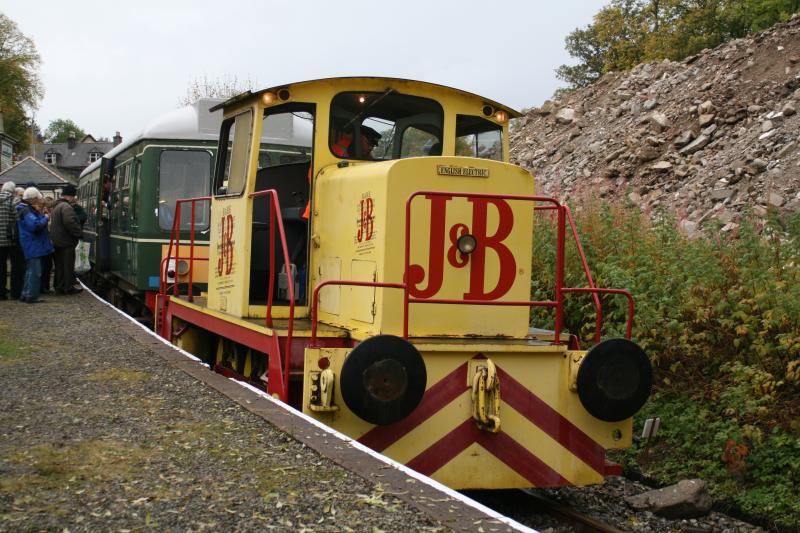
{"x": 382, "y": 285}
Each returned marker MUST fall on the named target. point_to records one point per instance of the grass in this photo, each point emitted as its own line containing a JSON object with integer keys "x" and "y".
{"x": 11, "y": 352}
{"x": 52, "y": 466}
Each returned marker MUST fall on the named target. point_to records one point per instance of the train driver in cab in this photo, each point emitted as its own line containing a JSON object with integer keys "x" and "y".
{"x": 368, "y": 139}
{"x": 343, "y": 147}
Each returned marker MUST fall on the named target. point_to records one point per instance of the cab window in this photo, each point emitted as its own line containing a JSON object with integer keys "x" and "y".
{"x": 417, "y": 142}
{"x": 183, "y": 174}
{"x": 478, "y": 137}
{"x": 286, "y": 136}
{"x": 384, "y": 125}
{"x": 233, "y": 155}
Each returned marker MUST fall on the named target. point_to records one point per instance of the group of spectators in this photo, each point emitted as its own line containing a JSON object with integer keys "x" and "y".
{"x": 36, "y": 234}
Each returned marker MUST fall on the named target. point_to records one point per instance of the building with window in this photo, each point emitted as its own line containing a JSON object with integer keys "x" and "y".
{"x": 71, "y": 157}
{"x": 7, "y": 144}
{"x": 31, "y": 171}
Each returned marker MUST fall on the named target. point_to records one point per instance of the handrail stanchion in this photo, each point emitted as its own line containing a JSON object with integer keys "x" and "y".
{"x": 177, "y": 223}
{"x": 271, "y": 280}
{"x": 290, "y": 277}
{"x": 191, "y": 252}
{"x": 275, "y": 216}
{"x": 560, "y": 238}
{"x": 595, "y": 297}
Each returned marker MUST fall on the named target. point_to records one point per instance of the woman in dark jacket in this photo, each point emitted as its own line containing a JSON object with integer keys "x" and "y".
{"x": 34, "y": 240}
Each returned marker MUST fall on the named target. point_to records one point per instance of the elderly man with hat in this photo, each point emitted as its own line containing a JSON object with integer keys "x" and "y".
{"x": 65, "y": 231}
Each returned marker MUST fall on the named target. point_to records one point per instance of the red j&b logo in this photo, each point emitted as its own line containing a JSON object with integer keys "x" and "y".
{"x": 225, "y": 248}
{"x": 476, "y": 260}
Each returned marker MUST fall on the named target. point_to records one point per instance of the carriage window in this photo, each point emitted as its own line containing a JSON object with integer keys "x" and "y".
{"x": 183, "y": 174}
{"x": 134, "y": 177}
{"x": 478, "y": 137}
{"x": 234, "y": 153}
{"x": 120, "y": 198}
{"x": 383, "y": 125}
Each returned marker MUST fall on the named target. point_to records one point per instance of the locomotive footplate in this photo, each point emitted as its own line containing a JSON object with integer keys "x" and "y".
{"x": 503, "y": 409}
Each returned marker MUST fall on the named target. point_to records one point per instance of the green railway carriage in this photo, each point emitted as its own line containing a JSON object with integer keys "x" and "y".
{"x": 130, "y": 196}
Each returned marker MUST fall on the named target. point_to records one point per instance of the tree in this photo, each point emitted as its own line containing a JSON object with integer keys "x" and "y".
{"x": 584, "y": 45}
{"x": 61, "y": 129}
{"x": 224, "y": 87}
{"x": 628, "y": 32}
{"x": 614, "y": 41}
{"x": 20, "y": 88}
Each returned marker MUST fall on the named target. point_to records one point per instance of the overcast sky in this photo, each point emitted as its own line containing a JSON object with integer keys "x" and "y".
{"x": 114, "y": 66}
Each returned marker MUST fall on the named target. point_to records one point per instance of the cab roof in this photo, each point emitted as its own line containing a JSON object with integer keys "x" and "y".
{"x": 512, "y": 113}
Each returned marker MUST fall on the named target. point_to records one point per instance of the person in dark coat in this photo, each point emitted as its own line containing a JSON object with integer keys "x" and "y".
{"x": 34, "y": 240}
{"x": 65, "y": 232}
{"x": 18, "y": 263}
{"x": 8, "y": 219}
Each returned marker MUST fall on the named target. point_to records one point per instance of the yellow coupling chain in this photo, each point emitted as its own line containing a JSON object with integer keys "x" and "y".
{"x": 486, "y": 397}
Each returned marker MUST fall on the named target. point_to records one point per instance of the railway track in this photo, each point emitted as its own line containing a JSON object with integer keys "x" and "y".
{"x": 580, "y": 523}
{"x": 534, "y": 510}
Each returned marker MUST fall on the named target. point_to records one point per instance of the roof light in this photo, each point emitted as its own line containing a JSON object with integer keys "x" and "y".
{"x": 268, "y": 98}
{"x": 501, "y": 116}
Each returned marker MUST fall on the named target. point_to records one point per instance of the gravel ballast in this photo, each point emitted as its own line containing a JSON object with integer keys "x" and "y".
{"x": 98, "y": 433}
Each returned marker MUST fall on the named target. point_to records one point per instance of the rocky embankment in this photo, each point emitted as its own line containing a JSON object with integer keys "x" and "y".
{"x": 708, "y": 138}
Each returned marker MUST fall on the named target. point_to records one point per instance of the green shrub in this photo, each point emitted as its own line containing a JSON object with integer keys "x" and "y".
{"x": 719, "y": 316}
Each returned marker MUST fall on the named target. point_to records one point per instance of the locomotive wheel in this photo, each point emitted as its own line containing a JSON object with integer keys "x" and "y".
{"x": 614, "y": 379}
{"x": 247, "y": 363}
{"x": 383, "y": 379}
{"x": 242, "y": 364}
{"x": 225, "y": 353}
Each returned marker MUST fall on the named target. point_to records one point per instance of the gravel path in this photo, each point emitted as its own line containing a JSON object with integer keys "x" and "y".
{"x": 99, "y": 434}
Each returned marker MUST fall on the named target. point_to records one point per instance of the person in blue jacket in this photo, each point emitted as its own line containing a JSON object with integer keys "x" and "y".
{"x": 34, "y": 240}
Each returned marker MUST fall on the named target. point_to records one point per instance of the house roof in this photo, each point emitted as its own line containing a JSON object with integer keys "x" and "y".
{"x": 32, "y": 170}
{"x": 75, "y": 157}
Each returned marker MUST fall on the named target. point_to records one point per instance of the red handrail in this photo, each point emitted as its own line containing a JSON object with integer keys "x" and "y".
{"x": 315, "y": 297}
{"x": 595, "y": 296}
{"x": 175, "y": 235}
{"x": 274, "y": 207}
{"x": 564, "y": 216}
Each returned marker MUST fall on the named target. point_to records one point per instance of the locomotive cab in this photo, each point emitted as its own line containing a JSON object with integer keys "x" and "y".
{"x": 375, "y": 272}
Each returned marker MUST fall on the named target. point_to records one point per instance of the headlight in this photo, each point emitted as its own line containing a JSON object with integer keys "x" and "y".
{"x": 466, "y": 244}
